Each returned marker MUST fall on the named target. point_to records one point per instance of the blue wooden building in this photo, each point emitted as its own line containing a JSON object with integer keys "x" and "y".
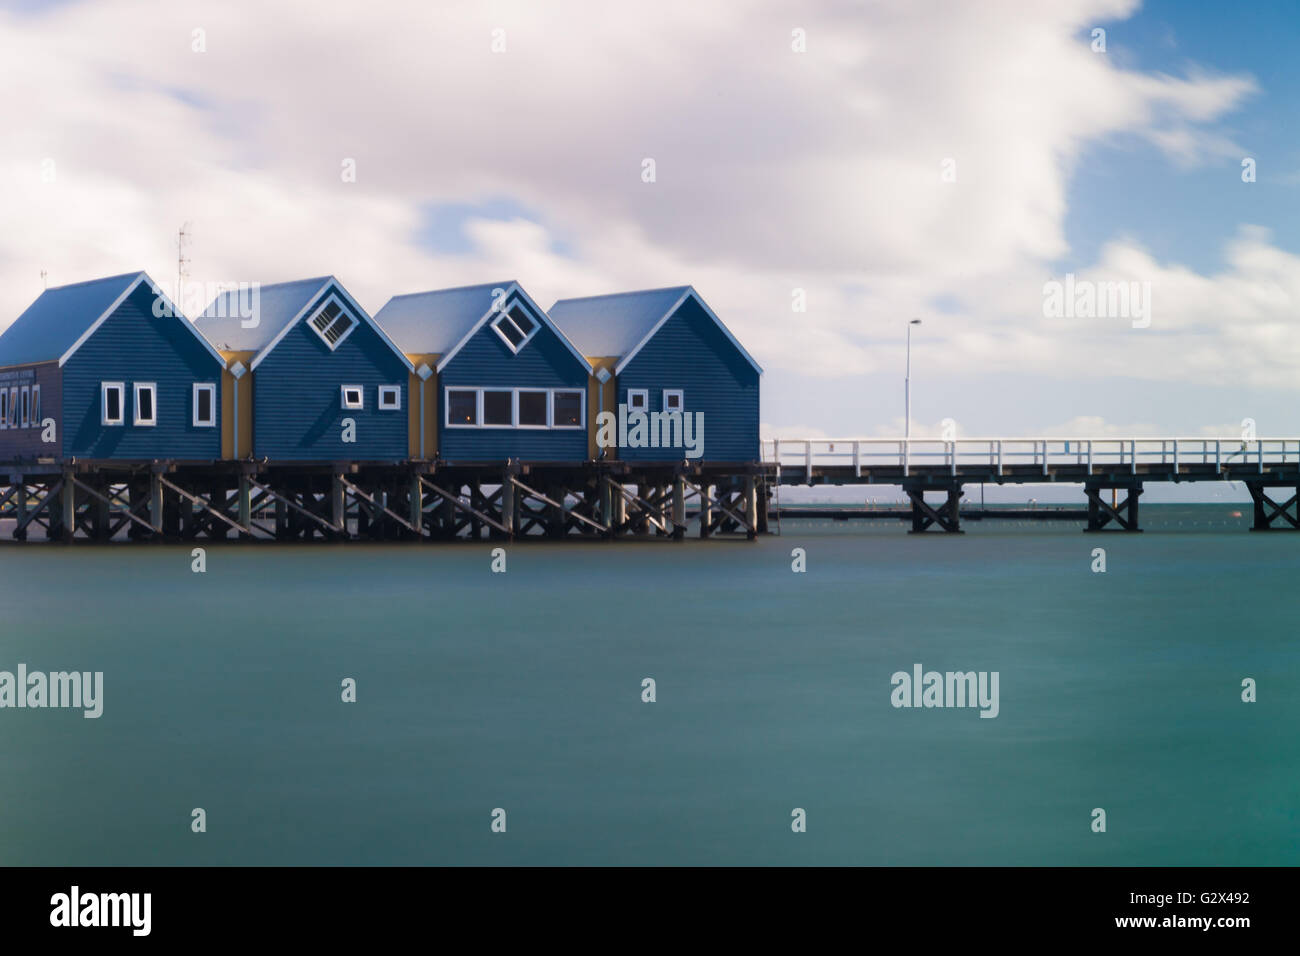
{"x": 500, "y": 380}
{"x": 665, "y": 351}
{"x": 108, "y": 369}
{"x": 315, "y": 377}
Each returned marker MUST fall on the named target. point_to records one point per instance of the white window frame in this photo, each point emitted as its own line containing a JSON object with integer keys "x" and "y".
{"x": 643, "y": 394}
{"x": 396, "y": 392}
{"x": 681, "y": 400}
{"x": 211, "y": 389}
{"x": 25, "y": 404}
{"x": 36, "y": 406}
{"x": 13, "y": 407}
{"x": 359, "y": 405}
{"x": 446, "y": 407}
{"x": 4, "y": 409}
{"x": 582, "y": 409}
{"x": 136, "y": 389}
{"x": 479, "y": 390}
{"x": 548, "y": 392}
{"x": 504, "y": 316}
{"x": 344, "y": 310}
{"x": 120, "y": 388}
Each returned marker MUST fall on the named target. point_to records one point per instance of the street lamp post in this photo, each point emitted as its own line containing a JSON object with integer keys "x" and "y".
{"x": 907, "y": 383}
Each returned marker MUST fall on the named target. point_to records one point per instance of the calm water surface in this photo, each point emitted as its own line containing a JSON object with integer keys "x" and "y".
{"x": 523, "y": 691}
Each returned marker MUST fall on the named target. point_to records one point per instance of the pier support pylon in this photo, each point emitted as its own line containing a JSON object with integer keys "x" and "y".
{"x": 1123, "y": 513}
{"x": 1267, "y": 510}
{"x": 947, "y": 516}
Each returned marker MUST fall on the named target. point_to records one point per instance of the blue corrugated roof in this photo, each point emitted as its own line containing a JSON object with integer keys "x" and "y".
{"x": 434, "y": 322}
{"x": 52, "y": 324}
{"x": 276, "y": 305}
{"x": 612, "y": 325}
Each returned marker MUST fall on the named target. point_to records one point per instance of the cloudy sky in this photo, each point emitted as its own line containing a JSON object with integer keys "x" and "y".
{"x": 891, "y": 159}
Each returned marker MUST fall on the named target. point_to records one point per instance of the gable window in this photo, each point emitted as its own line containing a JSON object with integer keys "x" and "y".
{"x": 111, "y": 394}
{"x": 532, "y": 409}
{"x": 462, "y": 406}
{"x": 390, "y": 398}
{"x": 515, "y": 326}
{"x": 36, "y": 406}
{"x": 352, "y": 396}
{"x": 498, "y": 407}
{"x": 332, "y": 322}
{"x": 672, "y": 399}
{"x": 567, "y": 409}
{"x": 205, "y": 405}
{"x": 638, "y": 400}
{"x": 146, "y": 411}
{"x": 24, "y": 418}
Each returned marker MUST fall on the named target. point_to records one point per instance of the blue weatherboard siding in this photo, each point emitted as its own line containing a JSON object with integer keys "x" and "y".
{"x": 485, "y": 361}
{"x": 26, "y": 442}
{"x": 297, "y": 410}
{"x": 134, "y": 345}
{"x": 690, "y": 352}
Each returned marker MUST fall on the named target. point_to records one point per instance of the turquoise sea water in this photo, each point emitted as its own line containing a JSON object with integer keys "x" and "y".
{"x": 523, "y": 691}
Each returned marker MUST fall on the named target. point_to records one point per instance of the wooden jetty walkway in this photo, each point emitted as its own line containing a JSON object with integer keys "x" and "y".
{"x": 411, "y": 500}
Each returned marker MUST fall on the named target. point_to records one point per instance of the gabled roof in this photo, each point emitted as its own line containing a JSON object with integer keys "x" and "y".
{"x": 443, "y": 320}
{"x": 621, "y": 324}
{"x": 279, "y": 307}
{"x": 61, "y": 319}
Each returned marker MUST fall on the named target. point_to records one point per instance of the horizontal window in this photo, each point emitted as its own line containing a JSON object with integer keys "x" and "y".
{"x": 515, "y": 408}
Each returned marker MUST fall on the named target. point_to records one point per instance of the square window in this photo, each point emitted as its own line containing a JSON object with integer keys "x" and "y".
{"x": 111, "y": 404}
{"x": 462, "y": 407}
{"x": 146, "y": 406}
{"x": 673, "y": 400}
{"x": 638, "y": 400}
{"x": 515, "y": 326}
{"x": 390, "y": 397}
{"x": 498, "y": 407}
{"x": 532, "y": 409}
{"x": 332, "y": 323}
{"x": 352, "y": 396}
{"x": 205, "y": 405}
{"x": 568, "y": 410}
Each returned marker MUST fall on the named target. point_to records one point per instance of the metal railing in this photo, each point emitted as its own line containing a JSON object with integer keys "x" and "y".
{"x": 999, "y": 454}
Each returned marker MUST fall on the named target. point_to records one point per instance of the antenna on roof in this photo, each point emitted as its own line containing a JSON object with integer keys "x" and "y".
{"x": 182, "y": 238}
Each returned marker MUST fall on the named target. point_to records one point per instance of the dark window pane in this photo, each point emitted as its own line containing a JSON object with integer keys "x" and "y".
{"x": 568, "y": 408}
{"x": 114, "y": 404}
{"x": 532, "y": 408}
{"x": 462, "y": 408}
{"x": 523, "y": 320}
{"x": 498, "y": 408}
{"x": 509, "y": 331}
{"x": 205, "y": 405}
{"x": 146, "y": 404}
